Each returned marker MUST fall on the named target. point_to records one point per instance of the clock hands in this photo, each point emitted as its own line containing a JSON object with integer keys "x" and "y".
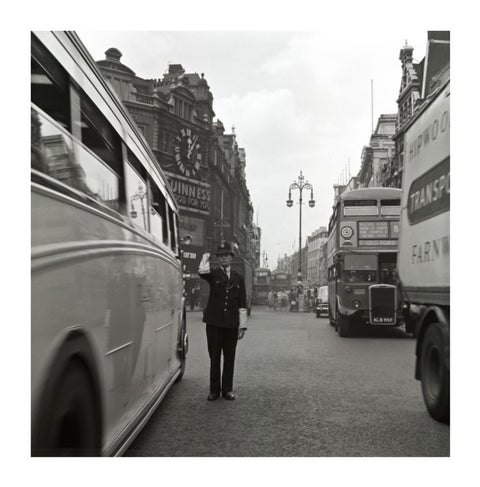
{"x": 191, "y": 145}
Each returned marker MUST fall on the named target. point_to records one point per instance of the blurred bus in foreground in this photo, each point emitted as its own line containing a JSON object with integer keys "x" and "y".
{"x": 108, "y": 330}
{"x": 362, "y": 259}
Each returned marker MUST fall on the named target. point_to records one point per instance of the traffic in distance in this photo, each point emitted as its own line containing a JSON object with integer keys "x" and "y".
{"x": 109, "y": 323}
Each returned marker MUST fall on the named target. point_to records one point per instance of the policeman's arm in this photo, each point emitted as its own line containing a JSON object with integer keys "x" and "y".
{"x": 204, "y": 267}
{"x": 242, "y": 310}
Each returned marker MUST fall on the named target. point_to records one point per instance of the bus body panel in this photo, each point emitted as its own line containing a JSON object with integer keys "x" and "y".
{"x": 100, "y": 280}
{"x": 424, "y": 250}
{"x": 127, "y": 298}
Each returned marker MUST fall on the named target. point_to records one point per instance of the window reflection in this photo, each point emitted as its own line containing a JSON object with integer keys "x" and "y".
{"x": 55, "y": 153}
{"x": 359, "y": 276}
{"x": 137, "y": 198}
{"x": 138, "y": 205}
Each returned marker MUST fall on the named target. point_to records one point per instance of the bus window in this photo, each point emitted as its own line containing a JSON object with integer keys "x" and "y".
{"x": 95, "y": 131}
{"x": 158, "y": 220}
{"x": 359, "y": 276}
{"x": 137, "y": 197}
{"x": 360, "y": 207}
{"x": 360, "y": 268}
{"x": 49, "y": 85}
{"x": 173, "y": 230}
{"x": 59, "y": 156}
{"x": 387, "y": 264}
{"x": 390, "y": 207}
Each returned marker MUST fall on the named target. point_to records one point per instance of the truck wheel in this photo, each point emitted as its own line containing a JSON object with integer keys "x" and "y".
{"x": 434, "y": 374}
{"x": 69, "y": 426}
{"x": 343, "y": 325}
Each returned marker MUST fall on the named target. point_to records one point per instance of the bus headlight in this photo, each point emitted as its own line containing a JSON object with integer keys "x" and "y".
{"x": 356, "y": 303}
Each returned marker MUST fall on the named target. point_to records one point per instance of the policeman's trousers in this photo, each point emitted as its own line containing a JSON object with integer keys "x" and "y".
{"x": 221, "y": 340}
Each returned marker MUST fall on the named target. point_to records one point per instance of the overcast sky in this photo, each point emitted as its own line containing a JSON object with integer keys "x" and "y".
{"x": 299, "y": 101}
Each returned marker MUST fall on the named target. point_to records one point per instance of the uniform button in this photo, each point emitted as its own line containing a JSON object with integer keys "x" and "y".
{"x": 225, "y": 309}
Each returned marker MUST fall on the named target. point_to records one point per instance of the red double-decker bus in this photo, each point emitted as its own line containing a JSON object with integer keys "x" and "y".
{"x": 362, "y": 259}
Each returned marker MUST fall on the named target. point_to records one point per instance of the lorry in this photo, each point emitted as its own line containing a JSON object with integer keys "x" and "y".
{"x": 424, "y": 247}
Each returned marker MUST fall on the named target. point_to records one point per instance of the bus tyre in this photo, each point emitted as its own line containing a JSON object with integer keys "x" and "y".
{"x": 343, "y": 325}
{"x": 435, "y": 376}
{"x": 69, "y": 426}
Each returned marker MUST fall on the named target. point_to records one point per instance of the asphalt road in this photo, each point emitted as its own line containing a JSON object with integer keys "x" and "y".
{"x": 302, "y": 391}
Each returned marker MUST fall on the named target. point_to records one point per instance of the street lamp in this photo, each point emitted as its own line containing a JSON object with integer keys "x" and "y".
{"x": 300, "y": 184}
{"x": 141, "y": 194}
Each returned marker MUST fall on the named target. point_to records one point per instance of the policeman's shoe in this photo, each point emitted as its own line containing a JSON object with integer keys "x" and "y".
{"x": 228, "y": 396}
{"x": 212, "y": 397}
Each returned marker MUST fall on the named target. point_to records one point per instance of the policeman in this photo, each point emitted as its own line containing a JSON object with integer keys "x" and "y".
{"x": 226, "y": 319}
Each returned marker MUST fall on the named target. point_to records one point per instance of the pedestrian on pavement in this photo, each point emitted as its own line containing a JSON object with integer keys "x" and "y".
{"x": 225, "y": 317}
{"x": 193, "y": 298}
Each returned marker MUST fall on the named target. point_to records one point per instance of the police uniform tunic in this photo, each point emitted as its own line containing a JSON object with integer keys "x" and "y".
{"x": 227, "y": 297}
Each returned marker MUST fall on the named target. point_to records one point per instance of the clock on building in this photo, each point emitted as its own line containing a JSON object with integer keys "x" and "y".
{"x": 187, "y": 152}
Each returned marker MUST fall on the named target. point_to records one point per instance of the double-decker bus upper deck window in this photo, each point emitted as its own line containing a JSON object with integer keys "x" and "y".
{"x": 390, "y": 207}
{"x": 360, "y": 208}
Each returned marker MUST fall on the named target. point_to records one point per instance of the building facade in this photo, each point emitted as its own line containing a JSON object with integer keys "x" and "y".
{"x": 315, "y": 243}
{"x": 379, "y": 153}
{"x": 419, "y": 80}
{"x": 204, "y": 165}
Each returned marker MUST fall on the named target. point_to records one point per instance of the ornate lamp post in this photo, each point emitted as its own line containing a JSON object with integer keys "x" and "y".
{"x": 300, "y": 184}
{"x": 141, "y": 194}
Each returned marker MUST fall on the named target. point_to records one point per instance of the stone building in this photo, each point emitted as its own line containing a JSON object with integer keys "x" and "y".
{"x": 315, "y": 243}
{"x": 418, "y": 81}
{"x": 204, "y": 165}
{"x": 378, "y": 153}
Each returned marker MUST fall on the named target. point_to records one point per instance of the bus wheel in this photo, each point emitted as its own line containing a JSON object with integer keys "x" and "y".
{"x": 343, "y": 325}
{"x": 70, "y": 425}
{"x": 434, "y": 374}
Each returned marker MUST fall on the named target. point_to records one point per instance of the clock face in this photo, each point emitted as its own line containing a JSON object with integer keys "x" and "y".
{"x": 187, "y": 152}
